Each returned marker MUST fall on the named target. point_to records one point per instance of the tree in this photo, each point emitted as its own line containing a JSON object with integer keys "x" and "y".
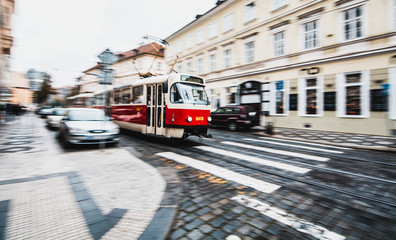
{"x": 45, "y": 91}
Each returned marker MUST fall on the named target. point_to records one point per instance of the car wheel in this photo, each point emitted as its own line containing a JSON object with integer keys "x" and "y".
{"x": 232, "y": 126}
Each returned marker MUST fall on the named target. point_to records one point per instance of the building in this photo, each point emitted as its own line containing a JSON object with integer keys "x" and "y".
{"x": 6, "y": 41}
{"x": 21, "y": 93}
{"x": 319, "y": 64}
{"x": 146, "y": 59}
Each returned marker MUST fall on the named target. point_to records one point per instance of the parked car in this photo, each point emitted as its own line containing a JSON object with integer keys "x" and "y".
{"x": 45, "y": 111}
{"x": 235, "y": 117}
{"x": 53, "y": 120}
{"x": 87, "y": 126}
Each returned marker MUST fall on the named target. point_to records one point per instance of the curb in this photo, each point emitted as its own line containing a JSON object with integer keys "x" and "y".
{"x": 162, "y": 221}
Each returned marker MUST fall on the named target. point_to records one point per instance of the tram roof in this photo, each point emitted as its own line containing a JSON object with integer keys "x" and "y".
{"x": 149, "y": 80}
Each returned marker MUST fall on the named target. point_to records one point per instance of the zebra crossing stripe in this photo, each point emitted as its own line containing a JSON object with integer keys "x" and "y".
{"x": 311, "y": 144}
{"x": 294, "y": 145}
{"x": 224, "y": 173}
{"x": 293, "y": 154}
{"x": 286, "y": 218}
{"x": 261, "y": 161}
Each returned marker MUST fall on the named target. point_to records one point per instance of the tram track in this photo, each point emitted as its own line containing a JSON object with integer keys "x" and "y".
{"x": 187, "y": 148}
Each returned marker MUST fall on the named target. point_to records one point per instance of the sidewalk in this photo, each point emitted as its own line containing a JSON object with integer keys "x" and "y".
{"x": 90, "y": 194}
{"x": 362, "y": 141}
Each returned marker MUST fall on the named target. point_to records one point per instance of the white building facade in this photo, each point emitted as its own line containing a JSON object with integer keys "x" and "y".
{"x": 317, "y": 64}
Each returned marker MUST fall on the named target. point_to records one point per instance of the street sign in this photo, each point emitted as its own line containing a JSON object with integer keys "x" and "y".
{"x": 108, "y": 57}
{"x": 106, "y": 76}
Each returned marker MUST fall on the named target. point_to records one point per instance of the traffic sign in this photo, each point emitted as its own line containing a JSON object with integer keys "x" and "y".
{"x": 108, "y": 57}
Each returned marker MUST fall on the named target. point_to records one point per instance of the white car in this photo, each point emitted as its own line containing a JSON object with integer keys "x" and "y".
{"x": 88, "y": 126}
{"x": 53, "y": 121}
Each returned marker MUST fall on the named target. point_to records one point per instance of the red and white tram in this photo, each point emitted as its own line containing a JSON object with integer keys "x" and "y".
{"x": 173, "y": 106}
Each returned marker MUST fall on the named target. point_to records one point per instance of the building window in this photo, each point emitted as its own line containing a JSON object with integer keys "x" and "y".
{"x": 311, "y": 96}
{"x": 249, "y": 52}
{"x": 311, "y": 35}
{"x": 228, "y": 22}
{"x": 200, "y": 36}
{"x": 250, "y": 12}
{"x": 227, "y": 58}
{"x": 180, "y": 45}
{"x": 189, "y": 41}
{"x": 212, "y": 62}
{"x": 353, "y": 23}
{"x": 278, "y": 4}
{"x": 213, "y": 30}
{"x": 279, "y": 43}
{"x": 354, "y": 94}
{"x": 189, "y": 67}
{"x": 199, "y": 66}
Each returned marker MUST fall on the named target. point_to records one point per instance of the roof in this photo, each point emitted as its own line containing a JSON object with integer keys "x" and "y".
{"x": 150, "y": 49}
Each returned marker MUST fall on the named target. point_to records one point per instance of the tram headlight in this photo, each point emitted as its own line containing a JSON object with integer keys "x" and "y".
{"x": 189, "y": 119}
{"x": 173, "y": 117}
{"x": 209, "y": 119}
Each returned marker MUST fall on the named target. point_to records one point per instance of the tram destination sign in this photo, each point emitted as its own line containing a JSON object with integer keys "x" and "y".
{"x": 192, "y": 79}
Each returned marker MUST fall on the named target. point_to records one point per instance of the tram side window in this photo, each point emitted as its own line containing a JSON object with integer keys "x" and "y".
{"x": 126, "y": 96}
{"x": 175, "y": 96}
{"x": 148, "y": 96}
{"x": 137, "y": 95}
{"x": 117, "y": 97}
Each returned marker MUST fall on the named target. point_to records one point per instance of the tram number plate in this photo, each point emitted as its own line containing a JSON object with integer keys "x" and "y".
{"x": 199, "y": 118}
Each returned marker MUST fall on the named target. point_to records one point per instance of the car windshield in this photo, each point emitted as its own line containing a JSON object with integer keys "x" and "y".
{"x": 188, "y": 93}
{"x": 87, "y": 115}
{"x": 60, "y": 112}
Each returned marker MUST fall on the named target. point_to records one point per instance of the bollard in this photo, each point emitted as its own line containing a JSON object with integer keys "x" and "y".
{"x": 269, "y": 128}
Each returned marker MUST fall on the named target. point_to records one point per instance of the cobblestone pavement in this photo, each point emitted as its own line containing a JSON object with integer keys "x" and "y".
{"x": 214, "y": 207}
{"x": 336, "y": 138}
{"x": 46, "y": 193}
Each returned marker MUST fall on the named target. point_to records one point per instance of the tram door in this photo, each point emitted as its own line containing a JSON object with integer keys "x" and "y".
{"x": 155, "y": 109}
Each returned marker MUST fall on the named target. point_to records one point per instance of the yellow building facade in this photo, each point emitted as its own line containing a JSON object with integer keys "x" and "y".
{"x": 316, "y": 64}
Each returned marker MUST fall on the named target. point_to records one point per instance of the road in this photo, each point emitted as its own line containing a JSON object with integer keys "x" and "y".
{"x": 244, "y": 185}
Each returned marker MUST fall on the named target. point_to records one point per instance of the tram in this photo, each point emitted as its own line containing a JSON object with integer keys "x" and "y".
{"x": 173, "y": 106}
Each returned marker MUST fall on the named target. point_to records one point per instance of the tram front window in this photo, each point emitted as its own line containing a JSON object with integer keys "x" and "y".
{"x": 188, "y": 94}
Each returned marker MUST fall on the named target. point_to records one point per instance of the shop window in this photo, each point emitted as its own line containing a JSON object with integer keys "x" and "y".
{"x": 311, "y": 96}
{"x": 354, "y": 94}
{"x": 378, "y": 100}
{"x": 293, "y": 102}
{"x": 280, "y": 98}
{"x": 330, "y": 101}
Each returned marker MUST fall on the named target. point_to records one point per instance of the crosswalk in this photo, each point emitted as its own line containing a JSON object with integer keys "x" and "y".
{"x": 240, "y": 150}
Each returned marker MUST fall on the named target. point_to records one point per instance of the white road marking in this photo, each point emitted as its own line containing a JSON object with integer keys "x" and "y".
{"x": 286, "y": 218}
{"x": 221, "y": 172}
{"x": 312, "y": 144}
{"x": 262, "y": 161}
{"x": 300, "y": 155}
{"x": 293, "y": 145}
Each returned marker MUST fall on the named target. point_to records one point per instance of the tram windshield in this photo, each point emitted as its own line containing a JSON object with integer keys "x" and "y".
{"x": 188, "y": 93}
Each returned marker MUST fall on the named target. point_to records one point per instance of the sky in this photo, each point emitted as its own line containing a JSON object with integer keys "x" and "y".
{"x": 64, "y": 37}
